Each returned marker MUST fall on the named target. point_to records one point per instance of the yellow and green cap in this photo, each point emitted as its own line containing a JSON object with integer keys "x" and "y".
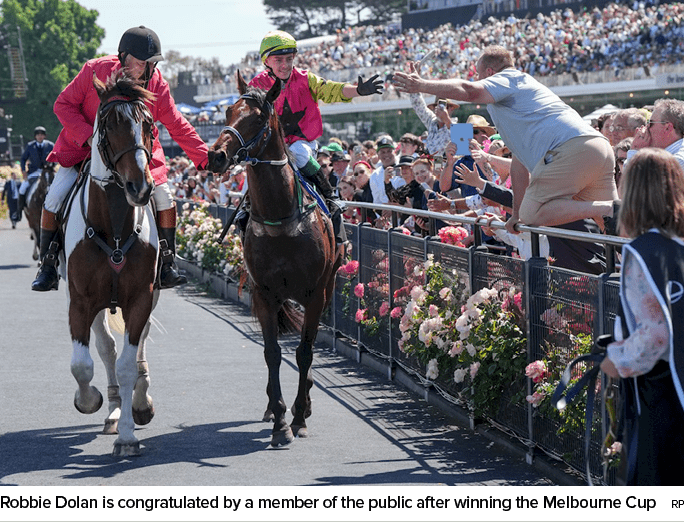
{"x": 277, "y": 43}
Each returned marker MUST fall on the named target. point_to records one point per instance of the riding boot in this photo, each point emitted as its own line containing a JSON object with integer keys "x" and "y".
{"x": 337, "y": 222}
{"x": 47, "y": 277}
{"x": 169, "y": 276}
{"x": 326, "y": 190}
{"x": 242, "y": 216}
{"x": 312, "y": 172}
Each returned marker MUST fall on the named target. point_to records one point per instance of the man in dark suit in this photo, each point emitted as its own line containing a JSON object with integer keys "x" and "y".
{"x": 11, "y": 194}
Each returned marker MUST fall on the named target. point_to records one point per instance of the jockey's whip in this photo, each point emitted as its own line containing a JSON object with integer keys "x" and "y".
{"x": 230, "y": 220}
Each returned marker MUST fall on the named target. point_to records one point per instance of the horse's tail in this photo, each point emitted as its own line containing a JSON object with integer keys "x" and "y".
{"x": 290, "y": 318}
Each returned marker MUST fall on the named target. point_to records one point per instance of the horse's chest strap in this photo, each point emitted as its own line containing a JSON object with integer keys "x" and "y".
{"x": 117, "y": 256}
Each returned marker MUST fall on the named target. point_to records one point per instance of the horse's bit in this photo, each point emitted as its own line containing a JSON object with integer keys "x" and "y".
{"x": 242, "y": 154}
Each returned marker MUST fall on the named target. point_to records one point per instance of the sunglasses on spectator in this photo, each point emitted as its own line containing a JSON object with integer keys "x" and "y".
{"x": 357, "y": 173}
{"x": 478, "y": 132}
{"x": 324, "y": 164}
{"x": 651, "y": 122}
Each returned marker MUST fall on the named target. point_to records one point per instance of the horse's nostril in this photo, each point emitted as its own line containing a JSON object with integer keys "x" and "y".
{"x": 132, "y": 188}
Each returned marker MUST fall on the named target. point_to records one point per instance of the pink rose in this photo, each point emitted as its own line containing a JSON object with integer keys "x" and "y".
{"x": 384, "y": 309}
{"x": 518, "y": 299}
{"x": 535, "y": 398}
{"x": 350, "y": 268}
{"x": 358, "y": 290}
{"x": 396, "y": 312}
{"x": 474, "y": 368}
{"x": 536, "y": 370}
{"x": 361, "y": 314}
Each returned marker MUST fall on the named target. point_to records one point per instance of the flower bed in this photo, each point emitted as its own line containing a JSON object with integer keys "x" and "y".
{"x": 196, "y": 241}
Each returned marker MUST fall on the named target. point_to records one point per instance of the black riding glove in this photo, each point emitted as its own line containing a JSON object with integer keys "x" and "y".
{"x": 371, "y": 86}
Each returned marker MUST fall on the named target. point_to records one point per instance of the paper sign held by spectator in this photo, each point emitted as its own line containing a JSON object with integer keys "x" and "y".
{"x": 461, "y": 135}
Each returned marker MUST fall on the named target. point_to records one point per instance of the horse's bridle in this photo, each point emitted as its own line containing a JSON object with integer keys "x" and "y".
{"x": 103, "y": 144}
{"x": 242, "y": 155}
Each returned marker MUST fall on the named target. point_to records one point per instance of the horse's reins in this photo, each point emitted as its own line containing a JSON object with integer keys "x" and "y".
{"x": 117, "y": 256}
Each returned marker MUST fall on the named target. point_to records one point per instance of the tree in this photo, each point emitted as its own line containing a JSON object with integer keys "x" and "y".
{"x": 58, "y": 37}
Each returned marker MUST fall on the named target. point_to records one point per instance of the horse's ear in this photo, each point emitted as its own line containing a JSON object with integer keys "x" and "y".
{"x": 273, "y": 93}
{"x": 99, "y": 85}
{"x": 242, "y": 85}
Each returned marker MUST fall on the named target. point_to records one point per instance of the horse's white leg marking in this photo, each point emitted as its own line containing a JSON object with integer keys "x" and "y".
{"x": 88, "y": 399}
{"x": 143, "y": 407}
{"x": 127, "y": 373}
{"x": 106, "y": 347}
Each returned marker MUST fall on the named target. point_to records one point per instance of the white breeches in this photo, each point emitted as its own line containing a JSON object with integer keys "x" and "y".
{"x": 25, "y": 184}
{"x": 302, "y": 150}
{"x": 64, "y": 179}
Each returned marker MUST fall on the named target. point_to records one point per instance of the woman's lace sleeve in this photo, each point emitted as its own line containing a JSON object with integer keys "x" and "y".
{"x": 649, "y": 341}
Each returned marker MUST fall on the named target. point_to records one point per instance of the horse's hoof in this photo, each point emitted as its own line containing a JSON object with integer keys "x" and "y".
{"x": 143, "y": 416}
{"x": 126, "y": 450}
{"x": 300, "y": 431}
{"x": 111, "y": 426}
{"x": 92, "y": 409}
{"x": 268, "y": 416}
{"x": 282, "y": 437}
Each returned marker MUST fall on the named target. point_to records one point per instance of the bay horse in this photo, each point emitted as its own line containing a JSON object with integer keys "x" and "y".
{"x": 110, "y": 249}
{"x": 35, "y": 198}
{"x": 289, "y": 246}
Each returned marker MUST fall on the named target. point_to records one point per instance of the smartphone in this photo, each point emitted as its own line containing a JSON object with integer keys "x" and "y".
{"x": 439, "y": 163}
{"x": 442, "y": 103}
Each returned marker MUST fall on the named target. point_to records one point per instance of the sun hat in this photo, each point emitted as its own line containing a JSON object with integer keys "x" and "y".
{"x": 480, "y": 122}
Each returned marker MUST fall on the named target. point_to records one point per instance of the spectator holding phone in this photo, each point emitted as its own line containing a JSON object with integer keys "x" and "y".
{"x": 385, "y": 174}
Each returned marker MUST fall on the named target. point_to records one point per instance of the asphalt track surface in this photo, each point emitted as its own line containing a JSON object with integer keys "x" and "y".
{"x": 208, "y": 383}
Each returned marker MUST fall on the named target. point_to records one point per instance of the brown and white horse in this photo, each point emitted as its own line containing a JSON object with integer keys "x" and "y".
{"x": 111, "y": 247}
{"x": 289, "y": 246}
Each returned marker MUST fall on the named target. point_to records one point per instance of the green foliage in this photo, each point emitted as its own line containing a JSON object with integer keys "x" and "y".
{"x": 58, "y": 37}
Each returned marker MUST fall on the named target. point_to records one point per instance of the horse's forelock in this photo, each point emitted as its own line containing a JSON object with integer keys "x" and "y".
{"x": 260, "y": 96}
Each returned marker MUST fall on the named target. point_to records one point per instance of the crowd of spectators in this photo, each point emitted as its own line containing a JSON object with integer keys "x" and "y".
{"x": 620, "y": 35}
{"x": 424, "y": 172}
{"x": 404, "y": 172}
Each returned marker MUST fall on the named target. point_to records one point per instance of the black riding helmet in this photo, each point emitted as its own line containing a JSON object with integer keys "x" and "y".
{"x": 143, "y": 44}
